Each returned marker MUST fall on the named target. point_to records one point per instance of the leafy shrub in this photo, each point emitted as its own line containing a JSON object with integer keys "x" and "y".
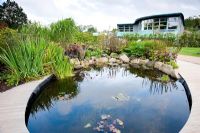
{"x": 168, "y": 38}
{"x": 86, "y": 38}
{"x": 34, "y": 58}
{"x": 8, "y": 37}
{"x": 93, "y": 52}
{"x": 110, "y": 43}
{"x": 173, "y": 64}
{"x": 153, "y": 50}
{"x": 189, "y": 39}
{"x": 75, "y": 51}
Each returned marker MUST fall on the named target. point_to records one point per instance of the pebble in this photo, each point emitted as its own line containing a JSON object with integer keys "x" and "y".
{"x": 87, "y": 125}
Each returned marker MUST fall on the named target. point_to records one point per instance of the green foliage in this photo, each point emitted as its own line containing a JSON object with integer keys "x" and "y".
{"x": 63, "y": 31}
{"x": 165, "y": 78}
{"x": 34, "y": 30}
{"x": 12, "y": 14}
{"x": 189, "y": 39}
{"x": 86, "y": 38}
{"x": 33, "y": 58}
{"x": 192, "y": 23}
{"x": 60, "y": 63}
{"x": 169, "y": 38}
{"x": 8, "y": 37}
{"x": 149, "y": 49}
{"x": 173, "y": 64}
{"x": 93, "y": 53}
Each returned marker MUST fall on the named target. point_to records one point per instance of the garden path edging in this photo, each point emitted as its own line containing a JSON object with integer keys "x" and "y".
{"x": 13, "y": 105}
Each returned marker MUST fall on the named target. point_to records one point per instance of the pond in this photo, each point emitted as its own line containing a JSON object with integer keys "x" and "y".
{"x": 110, "y": 100}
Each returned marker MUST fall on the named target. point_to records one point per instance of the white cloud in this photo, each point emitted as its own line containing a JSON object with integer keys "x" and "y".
{"x": 104, "y": 13}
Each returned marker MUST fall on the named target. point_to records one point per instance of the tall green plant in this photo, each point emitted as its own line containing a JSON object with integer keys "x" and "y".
{"x": 63, "y": 31}
{"x": 33, "y": 58}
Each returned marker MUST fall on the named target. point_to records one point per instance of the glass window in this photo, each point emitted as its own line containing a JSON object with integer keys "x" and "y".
{"x": 172, "y": 23}
{"x": 150, "y": 26}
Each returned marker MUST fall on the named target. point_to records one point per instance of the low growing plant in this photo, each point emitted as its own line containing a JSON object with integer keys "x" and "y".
{"x": 165, "y": 78}
{"x": 173, "y": 64}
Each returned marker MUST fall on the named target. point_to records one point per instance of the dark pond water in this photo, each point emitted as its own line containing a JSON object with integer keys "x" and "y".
{"x": 110, "y": 100}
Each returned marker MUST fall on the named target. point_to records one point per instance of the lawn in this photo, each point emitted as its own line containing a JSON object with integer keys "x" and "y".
{"x": 190, "y": 51}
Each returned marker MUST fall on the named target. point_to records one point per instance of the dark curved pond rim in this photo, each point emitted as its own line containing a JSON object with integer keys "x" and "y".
{"x": 51, "y": 78}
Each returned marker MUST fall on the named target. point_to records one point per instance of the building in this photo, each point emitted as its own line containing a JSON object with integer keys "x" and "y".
{"x": 164, "y": 23}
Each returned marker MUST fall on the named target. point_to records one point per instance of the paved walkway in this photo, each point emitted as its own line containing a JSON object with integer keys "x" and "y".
{"x": 191, "y": 59}
{"x": 12, "y": 107}
{"x": 191, "y": 73}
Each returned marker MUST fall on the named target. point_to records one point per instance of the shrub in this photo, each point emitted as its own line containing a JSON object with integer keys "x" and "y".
{"x": 149, "y": 49}
{"x": 93, "y": 52}
{"x": 189, "y": 39}
{"x": 173, "y": 64}
{"x": 86, "y": 38}
{"x": 8, "y": 37}
{"x": 75, "y": 51}
{"x": 34, "y": 58}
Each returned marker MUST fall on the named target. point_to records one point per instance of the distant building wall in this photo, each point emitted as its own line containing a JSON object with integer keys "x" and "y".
{"x": 161, "y": 24}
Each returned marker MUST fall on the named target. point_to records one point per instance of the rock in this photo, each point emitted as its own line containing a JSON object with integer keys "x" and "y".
{"x": 102, "y": 60}
{"x": 135, "y": 61}
{"x": 167, "y": 69}
{"x": 124, "y": 58}
{"x": 77, "y": 67}
{"x": 145, "y": 67}
{"x": 118, "y": 62}
{"x": 104, "y": 55}
{"x": 125, "y": 65}
{"x": 75, "y": 61}
{"x": 105, "y": 117}
{"x": 143, "y": 62}
{"x": 87, "y": 125}
{"x": 112, "y": 60}
{"x": 113, "y": 64}
{"x": 91, "y": 62}
{"x": 114, "y": 55}
{"x": 150, "y": 64}
{"x": 85, "y": 63}
{"x": 158, "y": 65}
{"x": 135, "y": 65}
{"x": 119, "y": 122}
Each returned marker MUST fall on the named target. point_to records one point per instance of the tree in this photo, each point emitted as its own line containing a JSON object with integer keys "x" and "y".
{"x": 12, "y": 14}
{"x": 192, "y": 23}
{"x": 87, "y": 28}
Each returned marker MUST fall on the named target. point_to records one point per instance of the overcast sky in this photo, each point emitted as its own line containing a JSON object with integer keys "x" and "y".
{"x": 104, "y": 14}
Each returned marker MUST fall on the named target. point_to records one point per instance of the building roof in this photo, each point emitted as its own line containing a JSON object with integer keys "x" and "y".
{"x": 157, "y": 16}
